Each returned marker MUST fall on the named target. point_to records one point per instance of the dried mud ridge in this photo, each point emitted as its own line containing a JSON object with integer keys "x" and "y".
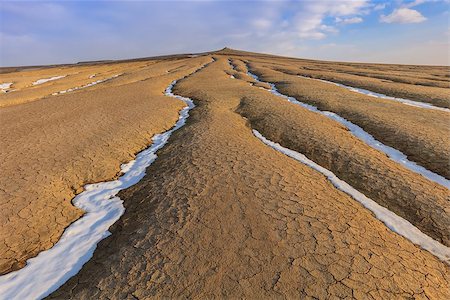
{"x": 419, "y": 133}
{"x": 262, "y": 226}
{"x": 220, "y": 214}
{"x": 348, "y": 157}
{"x": 52, "y": 268}
{"x": 64, "y": 142}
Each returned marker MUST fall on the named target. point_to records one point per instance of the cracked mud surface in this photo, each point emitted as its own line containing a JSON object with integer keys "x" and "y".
{"x": 420, "y": 83}
{"x": 419, "y": 133}
{"x": 351, "y": 159}
{"x": 220, "y": 214}
{"x": 23, "y": 90}
{"x": 51, "y": 147}
{"x": 417, "y": 75}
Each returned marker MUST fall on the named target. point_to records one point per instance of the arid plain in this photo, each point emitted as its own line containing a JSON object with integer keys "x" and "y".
{"x": 222, "y": 213}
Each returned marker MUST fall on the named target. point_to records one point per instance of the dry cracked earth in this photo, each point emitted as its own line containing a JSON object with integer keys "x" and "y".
{"x": 219, "y": 213}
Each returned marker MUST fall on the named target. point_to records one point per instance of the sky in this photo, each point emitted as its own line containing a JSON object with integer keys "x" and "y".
{"x": 52, "y": 32}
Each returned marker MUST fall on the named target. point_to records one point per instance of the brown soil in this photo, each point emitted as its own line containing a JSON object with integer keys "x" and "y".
{"x": 221, "y": 215}
{"x": 24, "y": 91}
{"x": 417, "y": 75}
{"x": 421, "y": 134}
{"x": 427, "y": 80}
{"x": 53, "y": 146}
{"x": 439, "y": 96}
{"x": 239, "y": 71}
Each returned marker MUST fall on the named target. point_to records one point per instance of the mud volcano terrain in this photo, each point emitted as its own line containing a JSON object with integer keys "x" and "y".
{"x": 291, "y": 178}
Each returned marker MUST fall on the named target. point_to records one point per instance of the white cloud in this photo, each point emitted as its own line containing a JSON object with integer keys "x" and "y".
{"x": 379, "y": 6}
{"x": 403, "y": 15}
{"x": 343, "y": 8}
{"x": 419, "y": 2}
{"x": 330, "y": 29}
{"x": 353, "y": 20}
{"x": 414, "y": 3}
{"x": 282, "y": 27}
{"x": 308, "y": 21}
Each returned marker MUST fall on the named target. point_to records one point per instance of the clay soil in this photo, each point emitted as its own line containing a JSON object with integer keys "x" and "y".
{"x": 422, "y": 134}
{"x": 52, "y": 146}
{"x": 220, "y": 214}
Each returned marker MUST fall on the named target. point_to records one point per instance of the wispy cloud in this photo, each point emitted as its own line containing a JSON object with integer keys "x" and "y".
{"x": 309, "y": 21}
{"x": 403, "y": 15}
{"x": 354, "y": 20}
{"x": 69, "y": 31}
{"x": 379, "y": 6}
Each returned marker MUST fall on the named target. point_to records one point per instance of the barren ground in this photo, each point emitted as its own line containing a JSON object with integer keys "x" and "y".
{"x": 51, "y": 147}
{"x": 219, "y": 213}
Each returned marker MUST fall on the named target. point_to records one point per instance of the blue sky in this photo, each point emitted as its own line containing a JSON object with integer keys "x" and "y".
{"x": 399, "y": 31}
